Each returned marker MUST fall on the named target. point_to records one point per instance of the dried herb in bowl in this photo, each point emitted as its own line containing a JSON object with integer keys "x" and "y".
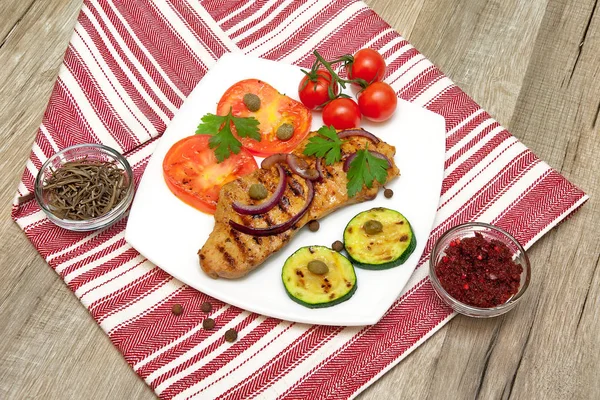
{"x": 84, "y": 189}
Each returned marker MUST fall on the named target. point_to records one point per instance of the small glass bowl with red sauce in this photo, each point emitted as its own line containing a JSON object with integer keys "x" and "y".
{"x": 479, "y": 270}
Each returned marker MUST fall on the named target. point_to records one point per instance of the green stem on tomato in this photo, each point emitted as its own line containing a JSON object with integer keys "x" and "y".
{"x": 334, "y": 76}
{"x": 347, "y": 59}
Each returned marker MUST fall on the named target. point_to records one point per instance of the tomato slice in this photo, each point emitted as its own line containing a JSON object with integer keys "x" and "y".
{"x": 275, "y": 109}
{"x": 192, "y": 173}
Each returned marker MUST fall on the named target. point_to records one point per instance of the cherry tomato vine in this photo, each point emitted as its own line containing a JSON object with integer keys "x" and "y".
{"x": 320, "y": 87}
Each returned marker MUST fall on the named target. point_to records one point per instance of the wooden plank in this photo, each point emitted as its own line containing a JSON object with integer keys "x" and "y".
{"x": 547, "y": 347}
{"x": 402, "y": 16}
{"x": 12, "y": 14}
{"x": 51, "y": 347}
{"x": 475, "y": 42}
{"x": 558, "y": 118}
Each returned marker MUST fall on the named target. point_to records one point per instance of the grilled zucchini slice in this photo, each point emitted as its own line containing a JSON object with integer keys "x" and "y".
{"x": 379, "y": 238}
{"x": 322, "y": 289}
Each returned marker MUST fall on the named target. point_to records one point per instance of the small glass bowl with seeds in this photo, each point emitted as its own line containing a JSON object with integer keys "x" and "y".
{"x": 85, "y": 187}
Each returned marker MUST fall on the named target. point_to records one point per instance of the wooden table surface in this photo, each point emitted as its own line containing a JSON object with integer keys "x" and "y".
{"x": 534, "y": 65}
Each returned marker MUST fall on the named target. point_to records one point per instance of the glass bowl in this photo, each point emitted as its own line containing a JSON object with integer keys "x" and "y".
{"x": 90, "y": 152}
{"x": 488, "y": 232}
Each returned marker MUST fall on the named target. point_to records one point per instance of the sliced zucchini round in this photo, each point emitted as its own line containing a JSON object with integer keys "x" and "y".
{"x": 313, "y": 290}
{"x": 385, "y": 249}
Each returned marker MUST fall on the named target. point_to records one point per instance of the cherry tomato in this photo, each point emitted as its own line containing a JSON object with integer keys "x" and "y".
{"x": 313, "y": 90}
{"x": 342, "y": 113}
{"x": 192, "y": 173}
{"x": 275, "y": 110}
{"x": 368, "y": 64}
{"x": 377, "y": 102}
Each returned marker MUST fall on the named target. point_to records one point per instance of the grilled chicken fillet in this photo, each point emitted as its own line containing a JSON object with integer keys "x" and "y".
{"x": 231, "y": 254}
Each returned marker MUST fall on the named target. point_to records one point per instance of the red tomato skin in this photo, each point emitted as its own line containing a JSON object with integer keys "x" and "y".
{"x": 368, "y": 65}
{"x": 314, "y": 94}
{"x": 342, "y": 113}
{"x": 275, "y": 110}
{"x": 377, "y": 102}
{"x": 192, "y": 174}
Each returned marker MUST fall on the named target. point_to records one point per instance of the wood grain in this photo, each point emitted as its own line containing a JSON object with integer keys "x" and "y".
{"x": 534, "y": 65}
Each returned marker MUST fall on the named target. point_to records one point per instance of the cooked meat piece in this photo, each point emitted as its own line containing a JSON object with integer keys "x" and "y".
{"x": 231, "y": 254}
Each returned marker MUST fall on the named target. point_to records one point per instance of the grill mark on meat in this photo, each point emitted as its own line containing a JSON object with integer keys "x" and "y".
{"x": 284, "y": 203}
{"x": 296, "y": 187}
{"x": 282, "y": 208}
{"x": 268, "y": 220}
{"x": 230, "y": 260}
{"x": 242, "y": 248}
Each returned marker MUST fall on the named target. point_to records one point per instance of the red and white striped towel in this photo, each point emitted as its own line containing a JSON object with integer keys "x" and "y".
{"x": 130, "y": 65}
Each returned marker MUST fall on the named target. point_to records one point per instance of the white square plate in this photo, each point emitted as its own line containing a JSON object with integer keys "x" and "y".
{"x": 169, "y": 233}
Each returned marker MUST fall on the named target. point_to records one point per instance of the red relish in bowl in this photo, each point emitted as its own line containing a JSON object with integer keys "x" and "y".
{"x": 479, "y": 272}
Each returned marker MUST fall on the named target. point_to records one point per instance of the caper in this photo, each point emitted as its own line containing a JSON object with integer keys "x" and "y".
{"x": 252, "y": 102}
{"x": 318, "y": 267}
{"x": 258, "y": 191}
{"x": 372, "y": 227}
{"x": 285, "y": 131}
{"x": 312, "y": 174}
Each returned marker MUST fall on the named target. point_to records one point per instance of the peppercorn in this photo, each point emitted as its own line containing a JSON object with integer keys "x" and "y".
{"x": 314, "y": 225}
{"x": 231, "y": 335}
{"x": 208, "y": 323}
{"x": 206, "y": 307}
{"x": 337, "y": 246}
{"x": 177, "y": 309}
{"x": 388, "y": 193}
{"x": 312, "y": 174}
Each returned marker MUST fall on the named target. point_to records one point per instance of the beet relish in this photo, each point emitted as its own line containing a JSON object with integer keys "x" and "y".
{"x": 479, "y": 272}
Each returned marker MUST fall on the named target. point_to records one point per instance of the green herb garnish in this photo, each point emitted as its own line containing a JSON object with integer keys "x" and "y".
{"x": 326, "y": 144}
{"x": 364, "y": 169}
{"x": 223, "y": 141}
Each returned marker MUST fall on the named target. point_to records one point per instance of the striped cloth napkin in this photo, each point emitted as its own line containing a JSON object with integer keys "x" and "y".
{"x": 129, "y": 67}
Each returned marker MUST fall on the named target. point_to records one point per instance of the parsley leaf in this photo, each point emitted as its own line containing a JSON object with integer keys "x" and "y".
{"x": 223, "y": 141}
{"x": 210, "y": 124}
{"x": 326, "y": 144}
{"x": 364, "y": 169}
{"x": 246, "y": 127}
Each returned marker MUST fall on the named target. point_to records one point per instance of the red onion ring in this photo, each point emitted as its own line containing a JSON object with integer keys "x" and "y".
{"x": 319, "y": 167}
{"x": 272, "y": 160}
{"x": 359, "y": 132}
{"x": 373, "y": 153}
{"x": 300, "y": 167}
{"x": 277, "y": 229}
{"x": 268, "y": 204}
